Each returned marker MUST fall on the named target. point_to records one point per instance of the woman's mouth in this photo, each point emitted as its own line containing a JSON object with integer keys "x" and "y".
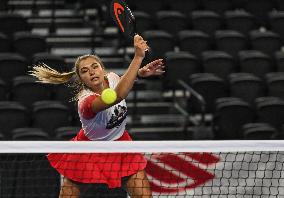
{"x": 94, "y": 78}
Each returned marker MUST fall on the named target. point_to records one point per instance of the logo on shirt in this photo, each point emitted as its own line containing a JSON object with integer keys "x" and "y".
{"x": 119, "y": 114}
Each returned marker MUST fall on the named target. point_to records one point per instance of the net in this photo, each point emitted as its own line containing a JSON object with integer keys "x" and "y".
{"x": 174, "y": 168}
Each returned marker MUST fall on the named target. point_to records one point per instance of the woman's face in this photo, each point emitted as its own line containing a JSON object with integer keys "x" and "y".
{"x": 91, "y": 73}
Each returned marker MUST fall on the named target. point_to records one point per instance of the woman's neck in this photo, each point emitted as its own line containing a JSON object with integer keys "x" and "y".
{"x": 99, "y": 89}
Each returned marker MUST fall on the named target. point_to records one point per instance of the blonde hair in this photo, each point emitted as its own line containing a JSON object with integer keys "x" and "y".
{"x": 46, "y": 74}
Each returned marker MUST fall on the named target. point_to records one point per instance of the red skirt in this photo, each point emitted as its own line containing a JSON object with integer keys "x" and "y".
{"x": 107, "y": 168}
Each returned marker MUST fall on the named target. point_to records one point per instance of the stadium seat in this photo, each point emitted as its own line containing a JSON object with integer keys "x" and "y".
{"x": 218, "y": 6}
{"x": 12, "y": 65}
{"x": 230, "y": 41}
{"x": 160, "y": 42}
{"x": 280, "y": 5}
{"x": 149, "y": 6}
{"x": 12, "y": 115}
{"x": 5, "y": 43}
{"x": 210, "y": 87}
{"x": 275, "y": 84}
{"x": 65, "y": 94}
{"x": 3, "y": 90}
{"x": 49, "y": 115}
{"x": 52, "y": 60}
{"x": 180, "y": 65}
{"x": 171, "y": 21}
{"x": 240, "y": 20}
{"x": 279, "y": 61}
{"x": 11, "y": 23}
{"x": 219, "y": 63}
{"x": 276, "y": 22}
{"x": 259, "y": 131}
{"x": 157, "y": 136}
{"x": 260, "y": 9}
{"x": 267, "y": 42}
{"x": 183, "y": 6}
{"x": 270, "y": 110}
{"x": 256, "y": 62}
{"x": 66, "y": 133}
{"x": 206, "y": 21}
{"x": 193, "y": 41}
{"x": 229, "y": 117}
{"x": 144, "y": 21}
{"x": 26, "y": 90}
{"x": 2, "y": 137}
{"x": 30, "y": 134}
{"x": 246, "y": 86}
{"x": 27, "y": 44}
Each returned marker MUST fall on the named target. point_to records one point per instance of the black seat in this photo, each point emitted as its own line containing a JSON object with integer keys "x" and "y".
{"x": 52, "y": 60}
{"x": 259, "y": 131}
{"x": 143, "y": 21}
{"x": 64, "y": 94}
{"x": 246, "y": 86}
{"x": 12, "y": 115}
{"x": 26, "y": 90}
{"x": 11, "y": 23}
{"x": 275, "y": 84}
{"x": 240, "y": 21}
{"x": 30, "y": 134}
{"x": 149, "y": 6}
{"x": 156, "y": 136}
{"x": 171, "y": 21}
{"x": 280, "y": 5}
{"x": 267, "y": 42}
{"x": 180, "y": 65}
{"x": 5, "y": 43}
{"x": 279, "y": 61}
{"x": 260, "y": 9}
{"x": 270, "y": 110}
{"x": 229, "y": 117}
{"x": 66, "y": 133}
{"x": 3, "y": 90}
{"x": 219, "y": 63}
{"x": 159, "y": 41}
{"x": 49, "y": 115}
{"x": 218, "y": 6}
{"x": 255, "y": 62}
{"x": 27, "y": 44}
{"x": 12, "y": 65}
{"x": 230, "y": 41}
{"x": 276, "y": 21}
{"x": 183, "y": 6}
{"x": 210, "y": 87}
{"x": 194, "y": 41}
{"x": 206, "y": 21}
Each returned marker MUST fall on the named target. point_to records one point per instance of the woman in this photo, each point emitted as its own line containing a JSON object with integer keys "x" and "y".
{"x": 104, "y": 122}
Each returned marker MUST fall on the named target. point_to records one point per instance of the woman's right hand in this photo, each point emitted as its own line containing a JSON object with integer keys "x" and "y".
{"x": 140, "y": 46}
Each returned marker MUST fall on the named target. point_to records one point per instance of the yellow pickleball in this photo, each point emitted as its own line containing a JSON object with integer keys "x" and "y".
{"x": 108, "y": 96}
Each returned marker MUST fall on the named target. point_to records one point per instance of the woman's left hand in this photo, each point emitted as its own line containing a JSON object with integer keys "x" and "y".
{"x": 155, "y": 68}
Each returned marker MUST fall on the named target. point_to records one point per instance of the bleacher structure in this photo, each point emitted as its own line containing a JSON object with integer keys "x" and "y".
{"x": 222, "y": 59}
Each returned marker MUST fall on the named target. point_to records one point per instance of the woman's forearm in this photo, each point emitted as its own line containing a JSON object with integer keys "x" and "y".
{"x": 127, "y": 80}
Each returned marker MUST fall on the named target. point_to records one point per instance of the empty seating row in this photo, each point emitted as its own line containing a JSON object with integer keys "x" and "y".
{"x": 232, "y": 113}
{"x": 47, "y": 115}
{"x": 229, "y": 116}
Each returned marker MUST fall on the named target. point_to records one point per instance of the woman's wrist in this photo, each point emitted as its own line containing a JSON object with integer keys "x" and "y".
{"x": 138, "y": 74}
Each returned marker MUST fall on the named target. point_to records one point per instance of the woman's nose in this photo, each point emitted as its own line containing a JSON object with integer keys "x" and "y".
{"x": 92, "y": 71}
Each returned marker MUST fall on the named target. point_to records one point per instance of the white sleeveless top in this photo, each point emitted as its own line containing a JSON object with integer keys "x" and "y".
{"x": 108, "y": 124}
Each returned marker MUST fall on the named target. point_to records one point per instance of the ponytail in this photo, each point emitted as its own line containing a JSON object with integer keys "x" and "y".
{"x": 45, "y": 74}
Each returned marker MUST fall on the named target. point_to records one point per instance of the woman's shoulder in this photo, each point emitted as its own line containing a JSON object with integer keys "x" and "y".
{"x": 113, "y": 76}
{"x": 85, "y": 93}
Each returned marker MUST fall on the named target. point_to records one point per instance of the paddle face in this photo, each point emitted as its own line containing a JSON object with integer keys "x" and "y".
{"x": 123, "y": 18}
